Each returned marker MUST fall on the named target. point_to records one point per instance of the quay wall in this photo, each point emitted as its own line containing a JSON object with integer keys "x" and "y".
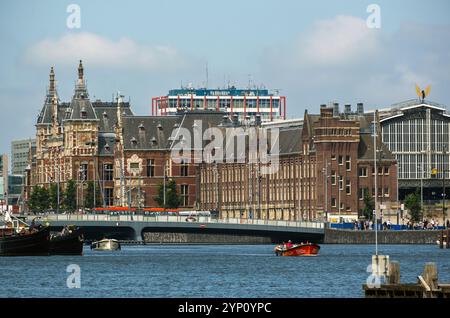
{"x": 203, "y": 238}
{"x": 338, "y": 236}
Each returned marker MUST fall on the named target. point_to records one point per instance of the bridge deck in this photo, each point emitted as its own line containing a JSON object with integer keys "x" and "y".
{"x": 142, "y": 221}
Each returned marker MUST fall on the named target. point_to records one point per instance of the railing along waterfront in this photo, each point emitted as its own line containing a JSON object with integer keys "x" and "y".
{"x": 179, "y": 219}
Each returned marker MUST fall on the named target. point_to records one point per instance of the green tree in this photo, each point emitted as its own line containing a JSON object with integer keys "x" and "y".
{"x": 53, "y": 195}
{"x": 173, "y": 200}
{"x": 369, "y": 206}
{"x": 412, "y": 203}
{"x": 44, "y": 199}
{"x": 70, "y": 196}
{"x": 89, "y": 199}
{"x": 33, "y": 201}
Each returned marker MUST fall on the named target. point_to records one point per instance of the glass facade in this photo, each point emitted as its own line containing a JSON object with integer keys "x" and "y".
{"x": 420, "y": 142}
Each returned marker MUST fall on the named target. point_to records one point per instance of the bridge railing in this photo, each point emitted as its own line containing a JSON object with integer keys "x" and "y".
{"x": 182, "y": 219}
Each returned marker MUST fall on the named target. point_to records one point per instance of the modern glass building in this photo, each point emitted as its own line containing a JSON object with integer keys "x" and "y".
{"x": 246, "y": 103}
{"x": 19, "y": 155}
{"x": 417, "y": 133}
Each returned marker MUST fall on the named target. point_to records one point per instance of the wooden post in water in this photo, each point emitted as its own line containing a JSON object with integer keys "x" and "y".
{"x": 394, "y": 273}
{"x": 430, "y": 274}
{"x": 441, "y": 241}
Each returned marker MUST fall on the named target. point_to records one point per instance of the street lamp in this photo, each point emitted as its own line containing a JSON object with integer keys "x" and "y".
{"x": 325, "y": 177}
{"x": 82, "y": 179}
{"x": 444, "y": 152}
{"x": 422, "y": 171}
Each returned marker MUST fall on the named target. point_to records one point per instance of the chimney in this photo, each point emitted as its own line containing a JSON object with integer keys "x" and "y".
{"x": 336, "y": 109}
{"x": 360, "y": 108}
{"x": 326, "y": 112}
{"x": 347, "y": 109}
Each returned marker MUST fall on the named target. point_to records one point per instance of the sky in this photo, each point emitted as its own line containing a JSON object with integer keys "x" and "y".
{"x": 311, "y": 52}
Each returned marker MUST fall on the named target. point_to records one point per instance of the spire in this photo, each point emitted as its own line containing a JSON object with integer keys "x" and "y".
{"x": 80, "y": 71}
{"x": 80, "y": 86}
{"x": 45, "y": 116}
{"x": 52, "y": 80}
{"x": 55, "y": 115}
{"x": 80, "y": 106}
{"x": 119, "y": 110}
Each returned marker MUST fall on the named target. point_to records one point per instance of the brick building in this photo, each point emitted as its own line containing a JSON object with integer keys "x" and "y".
{"x": 104, "y": 142}
{"x": 325, "y": 166}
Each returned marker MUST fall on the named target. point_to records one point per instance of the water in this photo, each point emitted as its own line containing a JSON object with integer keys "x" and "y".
{"x": 212, "y": 271}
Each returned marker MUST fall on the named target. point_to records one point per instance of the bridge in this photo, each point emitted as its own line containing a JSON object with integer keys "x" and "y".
{"x": 138, "y": 227}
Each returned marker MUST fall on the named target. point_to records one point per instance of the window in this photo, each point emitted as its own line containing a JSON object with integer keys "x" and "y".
{"x": 184, "y": 194}
{"x": 347, "y": 163}
{"x": 341, "y": 160}
{"x": 333, "y": 177}
{"x": 333, "y": 157}
{"x": 380, "y": 170}
{"x": 341, "y": 183}
{"x": 341, "y": 206}
{"x": 109, "y": 197}
{"x": 386, "y": 192}
{"x": 348, "y": 186}
{"x": 83, "y": 172}
{"x": 379, "y": 192}
{"x": 386, "y": 170}
{"x": 362, "y": 172}
{"x": 184, "y": 169}
{"x": 362, "y": 193}
{"x": 150, "y": 167}
{"x": 108, "y": 172}
{"x": 333, "y": 202}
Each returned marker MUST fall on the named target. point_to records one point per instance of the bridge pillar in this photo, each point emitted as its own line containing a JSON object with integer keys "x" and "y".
{"x": 138, "y": 232}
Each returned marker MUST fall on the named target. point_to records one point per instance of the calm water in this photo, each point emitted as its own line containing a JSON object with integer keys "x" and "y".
{"x": 211, "y": 271}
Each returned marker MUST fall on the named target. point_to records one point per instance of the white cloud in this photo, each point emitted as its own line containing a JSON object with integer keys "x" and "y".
{"x": 340, "y": 40}
{"x": 341, "y": 59}
{"x": 103, "y": 52}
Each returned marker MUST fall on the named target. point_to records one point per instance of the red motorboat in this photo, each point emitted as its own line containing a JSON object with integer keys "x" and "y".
{"x": 303, "y": 249}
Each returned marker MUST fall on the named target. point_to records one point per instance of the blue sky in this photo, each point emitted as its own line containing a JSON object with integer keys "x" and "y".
{"x": 314, "y": 52}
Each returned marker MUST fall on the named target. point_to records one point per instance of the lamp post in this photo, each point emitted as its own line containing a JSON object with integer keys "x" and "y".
{"x": 164, "y": 186}
{"x": 375, "y": 181}
{"x": 422, "y": 171}
{"x": 444, "y": 151}
{"x": 325, "y": 181}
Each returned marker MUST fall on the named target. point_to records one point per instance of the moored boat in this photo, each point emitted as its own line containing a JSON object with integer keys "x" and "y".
{"x": 68, "y": 242}
{"x": 303, "y": 249}
{"x": 33, "y": 241}
{"x": 106, "y": 245}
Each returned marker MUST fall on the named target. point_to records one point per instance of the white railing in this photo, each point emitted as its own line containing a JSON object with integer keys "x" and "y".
{"x": 183, "y": 219}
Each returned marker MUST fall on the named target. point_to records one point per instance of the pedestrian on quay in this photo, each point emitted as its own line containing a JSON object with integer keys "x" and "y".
{"x": 448, "y": 224}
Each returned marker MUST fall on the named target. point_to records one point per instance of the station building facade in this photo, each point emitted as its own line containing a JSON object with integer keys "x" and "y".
{"x": 417, "y": 134}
